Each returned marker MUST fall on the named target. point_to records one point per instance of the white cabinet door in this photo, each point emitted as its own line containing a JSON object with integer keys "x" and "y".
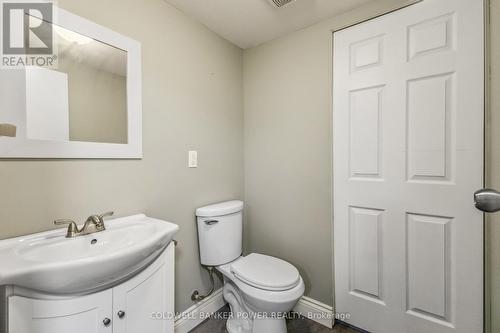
{"x": 79, "y": 315}
{"x": 408, "y": 156}
{"x": 145, "y": 303}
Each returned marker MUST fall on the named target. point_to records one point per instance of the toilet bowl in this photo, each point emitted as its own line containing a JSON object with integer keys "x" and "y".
{"x": 260, "y": 289}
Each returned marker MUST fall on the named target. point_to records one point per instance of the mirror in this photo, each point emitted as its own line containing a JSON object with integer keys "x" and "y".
{"x": 85, "y": 105}
{"x": 96, "y": 76}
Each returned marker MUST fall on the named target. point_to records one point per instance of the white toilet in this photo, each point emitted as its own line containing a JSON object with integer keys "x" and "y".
{"x": 260, "y": 289}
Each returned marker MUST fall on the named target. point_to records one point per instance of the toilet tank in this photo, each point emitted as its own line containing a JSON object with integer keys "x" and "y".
{"x": 220, "y": 231}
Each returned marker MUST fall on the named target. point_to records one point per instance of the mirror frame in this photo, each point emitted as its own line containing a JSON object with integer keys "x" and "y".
{"x": 92, "y": 150}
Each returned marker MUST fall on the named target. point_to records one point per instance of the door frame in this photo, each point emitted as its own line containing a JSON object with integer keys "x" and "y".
{"x": 486, "y": 144}
{"x": 487, "y": 149}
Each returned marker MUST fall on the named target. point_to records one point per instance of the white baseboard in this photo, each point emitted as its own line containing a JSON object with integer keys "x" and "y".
{"x": 199, "y": 312}
{"x": 315, "y": 310}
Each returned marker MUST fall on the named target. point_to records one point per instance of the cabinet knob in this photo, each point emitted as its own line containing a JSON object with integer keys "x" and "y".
{"x": 121, "y": 314}
{"x": 106, "y": 322}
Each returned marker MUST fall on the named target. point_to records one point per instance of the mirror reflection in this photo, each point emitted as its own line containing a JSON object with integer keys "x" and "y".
{"x": 83, "y": 98}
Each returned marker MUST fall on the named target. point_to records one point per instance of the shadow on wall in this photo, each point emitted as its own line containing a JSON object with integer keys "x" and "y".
{"x": 305, "y": 277}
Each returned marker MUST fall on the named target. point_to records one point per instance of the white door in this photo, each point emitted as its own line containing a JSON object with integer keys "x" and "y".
{"x": 87, "y": 314}
{"x": 408, "y": 156}
{"x": 145, "y": 303}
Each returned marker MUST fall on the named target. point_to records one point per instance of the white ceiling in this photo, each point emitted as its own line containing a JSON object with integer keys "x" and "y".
{"x": 248, "y": 23}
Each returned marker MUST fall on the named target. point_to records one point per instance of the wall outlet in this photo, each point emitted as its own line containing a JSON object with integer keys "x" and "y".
{"x": 192, "y": 159}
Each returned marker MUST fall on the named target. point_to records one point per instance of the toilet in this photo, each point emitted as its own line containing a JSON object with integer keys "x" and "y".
{"x": 260, "y": 289}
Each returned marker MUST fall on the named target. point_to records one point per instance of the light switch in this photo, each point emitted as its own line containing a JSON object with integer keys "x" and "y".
{"x": 193, "y": 159}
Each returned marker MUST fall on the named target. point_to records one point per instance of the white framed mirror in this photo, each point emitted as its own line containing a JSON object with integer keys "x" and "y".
{"x": 87, "y": 105}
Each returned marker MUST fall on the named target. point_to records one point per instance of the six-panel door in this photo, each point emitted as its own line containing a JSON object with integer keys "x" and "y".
{"x": 408, "y": 156}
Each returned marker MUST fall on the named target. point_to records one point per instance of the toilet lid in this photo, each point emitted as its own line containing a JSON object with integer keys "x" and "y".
{"x": 266, "y": 272}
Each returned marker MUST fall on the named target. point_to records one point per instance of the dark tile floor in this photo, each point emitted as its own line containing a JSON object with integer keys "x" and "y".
{"x": 297, "y": 325}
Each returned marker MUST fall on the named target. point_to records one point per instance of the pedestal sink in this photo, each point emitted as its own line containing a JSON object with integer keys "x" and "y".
{"x": 50, "y": 263}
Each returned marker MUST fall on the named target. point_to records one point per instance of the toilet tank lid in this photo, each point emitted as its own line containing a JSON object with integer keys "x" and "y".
{"x": 220, "y": 209}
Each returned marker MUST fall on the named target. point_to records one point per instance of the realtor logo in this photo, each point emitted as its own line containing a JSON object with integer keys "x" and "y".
{"x": 26, "y": 28}
{"x": 27, "y": 34}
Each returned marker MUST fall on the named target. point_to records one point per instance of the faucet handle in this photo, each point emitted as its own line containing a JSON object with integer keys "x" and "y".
{"x": 64, "y": 221}
{"x": 98, "y": 221}
{"x": 102, "y": 216}
{"x": 72, "y": 227}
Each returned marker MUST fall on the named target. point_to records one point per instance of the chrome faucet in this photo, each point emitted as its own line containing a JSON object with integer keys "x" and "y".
{"x": 94, "y": 223}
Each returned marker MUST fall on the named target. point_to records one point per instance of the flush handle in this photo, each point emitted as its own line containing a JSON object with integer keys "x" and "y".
{"x": 211, "y": 222}
{"x": 487, "y": 200}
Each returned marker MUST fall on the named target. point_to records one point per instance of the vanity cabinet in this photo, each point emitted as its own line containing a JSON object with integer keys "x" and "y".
{"x": 141, "y": 304}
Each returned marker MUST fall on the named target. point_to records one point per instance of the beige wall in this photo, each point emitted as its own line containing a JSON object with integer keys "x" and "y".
{"x": 493, "y": 172}
{"x": 288, "y": 148}
{"x": 191, "y": 100}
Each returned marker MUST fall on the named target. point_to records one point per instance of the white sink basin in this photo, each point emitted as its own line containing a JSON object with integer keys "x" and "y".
{"x": 51, "y": 263}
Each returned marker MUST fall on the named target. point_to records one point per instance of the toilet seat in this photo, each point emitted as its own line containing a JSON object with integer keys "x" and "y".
{"x": 266, "y": 272}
